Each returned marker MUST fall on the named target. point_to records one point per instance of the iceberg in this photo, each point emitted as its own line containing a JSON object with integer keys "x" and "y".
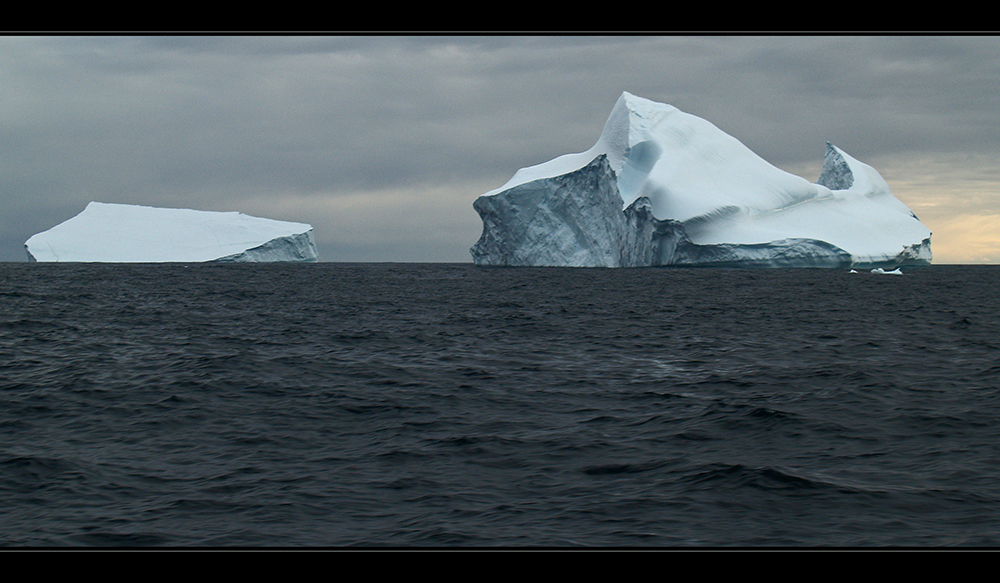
{"x": 124, "y": 233}
{"x": 661, "y": 187}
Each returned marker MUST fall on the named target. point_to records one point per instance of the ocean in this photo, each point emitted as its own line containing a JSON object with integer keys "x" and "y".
{"x": 335, "y": 405}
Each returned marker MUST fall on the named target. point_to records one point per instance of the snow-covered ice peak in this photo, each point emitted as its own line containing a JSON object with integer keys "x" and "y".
{"x": 686, "y": 170}
{"x": 125, "y": 233}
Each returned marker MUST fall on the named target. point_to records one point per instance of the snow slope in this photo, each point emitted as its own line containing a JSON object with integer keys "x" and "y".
{"x": 122, "y": 233}
{"x": 720, "y": 199}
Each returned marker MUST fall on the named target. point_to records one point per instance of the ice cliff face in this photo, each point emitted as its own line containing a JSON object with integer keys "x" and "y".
{"x": 574, "y": 219}
{"x": 121, "y": 233}
{"x": 662, "y": 187}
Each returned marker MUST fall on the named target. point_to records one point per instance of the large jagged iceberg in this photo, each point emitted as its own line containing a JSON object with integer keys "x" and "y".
{"x": 663, "y": 187}
{"x": 124, "y": 233}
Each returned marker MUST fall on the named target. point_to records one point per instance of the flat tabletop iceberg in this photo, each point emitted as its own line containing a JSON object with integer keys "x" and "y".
{"x": 123, "y": 233}
{"x": 687, "y": 193}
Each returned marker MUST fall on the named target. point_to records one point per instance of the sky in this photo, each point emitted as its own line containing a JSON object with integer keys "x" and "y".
{"x": 383, "y": 142}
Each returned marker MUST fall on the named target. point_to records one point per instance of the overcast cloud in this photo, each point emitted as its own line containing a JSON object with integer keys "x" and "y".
{"x": 382, "y": 143}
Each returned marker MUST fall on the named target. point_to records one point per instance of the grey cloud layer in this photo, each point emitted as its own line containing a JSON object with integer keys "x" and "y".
{"x": 318, "y": 124}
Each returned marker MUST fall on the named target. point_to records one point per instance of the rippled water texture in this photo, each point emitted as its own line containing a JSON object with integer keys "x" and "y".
{"x": 450, "y": 405}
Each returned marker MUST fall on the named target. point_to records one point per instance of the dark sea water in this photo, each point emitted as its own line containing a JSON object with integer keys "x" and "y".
{"x": 446, "y": 405}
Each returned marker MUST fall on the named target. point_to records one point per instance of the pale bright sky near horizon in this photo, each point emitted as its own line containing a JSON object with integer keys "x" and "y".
{"x": 382, "y": 143}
